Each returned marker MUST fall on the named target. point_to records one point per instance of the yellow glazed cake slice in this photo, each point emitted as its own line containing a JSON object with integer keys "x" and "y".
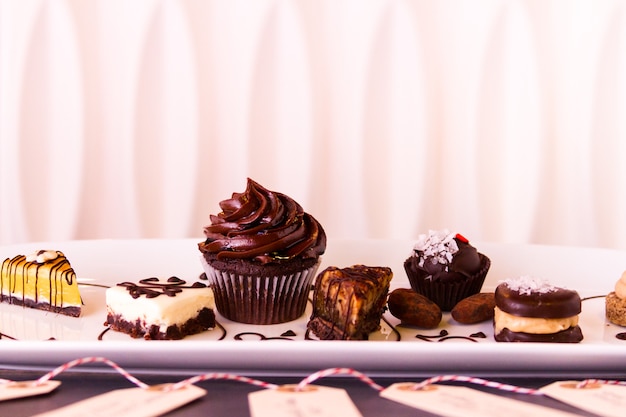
{"x": 43, "y": 280}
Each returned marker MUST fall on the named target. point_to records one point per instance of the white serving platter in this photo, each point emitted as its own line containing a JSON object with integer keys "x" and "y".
{"x": 40, "y": 340}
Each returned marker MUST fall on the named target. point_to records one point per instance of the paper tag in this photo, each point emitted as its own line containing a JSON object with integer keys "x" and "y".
{"x": 130, "y": 402}
{"x": 313, "y": 400}
{"x": 602, "y": 399}
{"x": 13, "y": 390}
{"x": 453, "y": 401}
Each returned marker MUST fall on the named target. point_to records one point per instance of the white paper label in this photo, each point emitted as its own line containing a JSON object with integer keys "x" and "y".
{"x": 314, "y": 400}
{"x": 13, "y": 390}
{"x": 131, "y": 402}
{"x": 453, "y": 401}
{"x": 602, "y": 399}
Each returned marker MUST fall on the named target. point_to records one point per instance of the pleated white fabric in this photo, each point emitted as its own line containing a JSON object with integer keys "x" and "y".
{"x": 502, "y": 119}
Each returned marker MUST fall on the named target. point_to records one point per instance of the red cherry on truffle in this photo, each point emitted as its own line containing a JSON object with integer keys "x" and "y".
{"x": 461, "y": 238}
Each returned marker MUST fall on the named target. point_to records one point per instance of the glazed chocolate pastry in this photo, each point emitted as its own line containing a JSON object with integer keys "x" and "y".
{"x": 531, "y": 310}
{"x": 348, "y": 303}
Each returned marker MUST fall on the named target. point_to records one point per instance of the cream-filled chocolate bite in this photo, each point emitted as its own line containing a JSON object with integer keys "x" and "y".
{"x": 529, "y": 309}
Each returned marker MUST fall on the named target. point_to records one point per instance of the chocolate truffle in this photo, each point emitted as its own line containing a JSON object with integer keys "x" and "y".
{"x": 446, "y": 268}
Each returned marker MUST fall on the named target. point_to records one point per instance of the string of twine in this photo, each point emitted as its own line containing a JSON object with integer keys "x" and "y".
{"x": 301, "y": 386}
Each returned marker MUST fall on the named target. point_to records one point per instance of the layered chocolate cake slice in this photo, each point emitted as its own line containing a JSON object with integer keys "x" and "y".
{"x": 348, "y": 303}
{"x": 43, "y": 280}
{"x": 160, "y": 310}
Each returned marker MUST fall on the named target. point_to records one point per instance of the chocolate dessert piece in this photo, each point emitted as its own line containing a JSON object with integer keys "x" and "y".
{"x": 160, "y": 310}
{"x": 413, "y": 309}
{"x": 531, "y": 310}
{"x": 542, "y": 301}
{"x": 348, "y": 303}
{"x": 446, "y": 268}
{"x": 43, "y": 280}
{"x": 475, "y": 308}
{"x": 260, "y": 256}
{"x": 451, "y": 259}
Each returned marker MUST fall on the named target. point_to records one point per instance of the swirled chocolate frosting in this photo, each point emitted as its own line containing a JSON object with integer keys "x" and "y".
{"x": 263, "y": 225}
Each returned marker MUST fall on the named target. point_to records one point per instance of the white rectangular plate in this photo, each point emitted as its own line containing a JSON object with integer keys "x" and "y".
{"x": 37, "y": 339}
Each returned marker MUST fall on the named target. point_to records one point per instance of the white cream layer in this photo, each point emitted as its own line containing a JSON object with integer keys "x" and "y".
{"x": 162, "y": 311}
{"x": 532, "y": 325}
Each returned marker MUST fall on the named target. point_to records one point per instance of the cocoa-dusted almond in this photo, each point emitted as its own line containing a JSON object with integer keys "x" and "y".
{"x": 414, "y": 309}
{"x": 475, "y": 308}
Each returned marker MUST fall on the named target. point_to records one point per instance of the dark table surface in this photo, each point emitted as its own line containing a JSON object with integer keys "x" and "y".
{"x": 229, "y": 398}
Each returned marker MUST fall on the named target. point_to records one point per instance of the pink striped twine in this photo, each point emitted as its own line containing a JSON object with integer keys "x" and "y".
{"x": 337, "y": 371}
{"x": 478, "y": 381}
{"x": 217, "y": 375}
{"x": 90, "y": 359}
{"x": 583, "y": 384}
{"x": 306, "y": 381}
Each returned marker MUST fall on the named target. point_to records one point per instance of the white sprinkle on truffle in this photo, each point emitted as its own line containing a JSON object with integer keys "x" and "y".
{"x": 527, "y": 284}
{"x": 438, "y": 246}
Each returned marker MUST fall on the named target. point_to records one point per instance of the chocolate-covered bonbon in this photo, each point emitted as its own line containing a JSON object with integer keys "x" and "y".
{"x": 529, "y": 309}
{"x": 533, "y": 299}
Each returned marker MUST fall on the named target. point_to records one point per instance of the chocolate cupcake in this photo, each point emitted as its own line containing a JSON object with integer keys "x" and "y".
{"x": 261, "y": 255}
{"x": 445, "y": 268}
{"x": 529, "y": 309}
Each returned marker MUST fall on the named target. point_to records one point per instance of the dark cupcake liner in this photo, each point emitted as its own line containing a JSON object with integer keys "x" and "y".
{"x": 446, "y": 295}
{"x": 260, "y": 299}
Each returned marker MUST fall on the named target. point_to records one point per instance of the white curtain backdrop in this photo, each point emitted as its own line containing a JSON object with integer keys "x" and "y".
{"x": 502, "y": 119}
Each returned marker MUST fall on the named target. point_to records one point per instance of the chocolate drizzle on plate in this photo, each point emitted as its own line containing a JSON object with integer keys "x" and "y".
{"x": 6, "y": 336}
{"x": 444, "y": 335}
{"x": 592, "y": 297}
{"x": 393, "y": 329}
{"x": 152, "y": 287}
{"x": 618, "y": 336}
{"x": 284, "y": 336}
